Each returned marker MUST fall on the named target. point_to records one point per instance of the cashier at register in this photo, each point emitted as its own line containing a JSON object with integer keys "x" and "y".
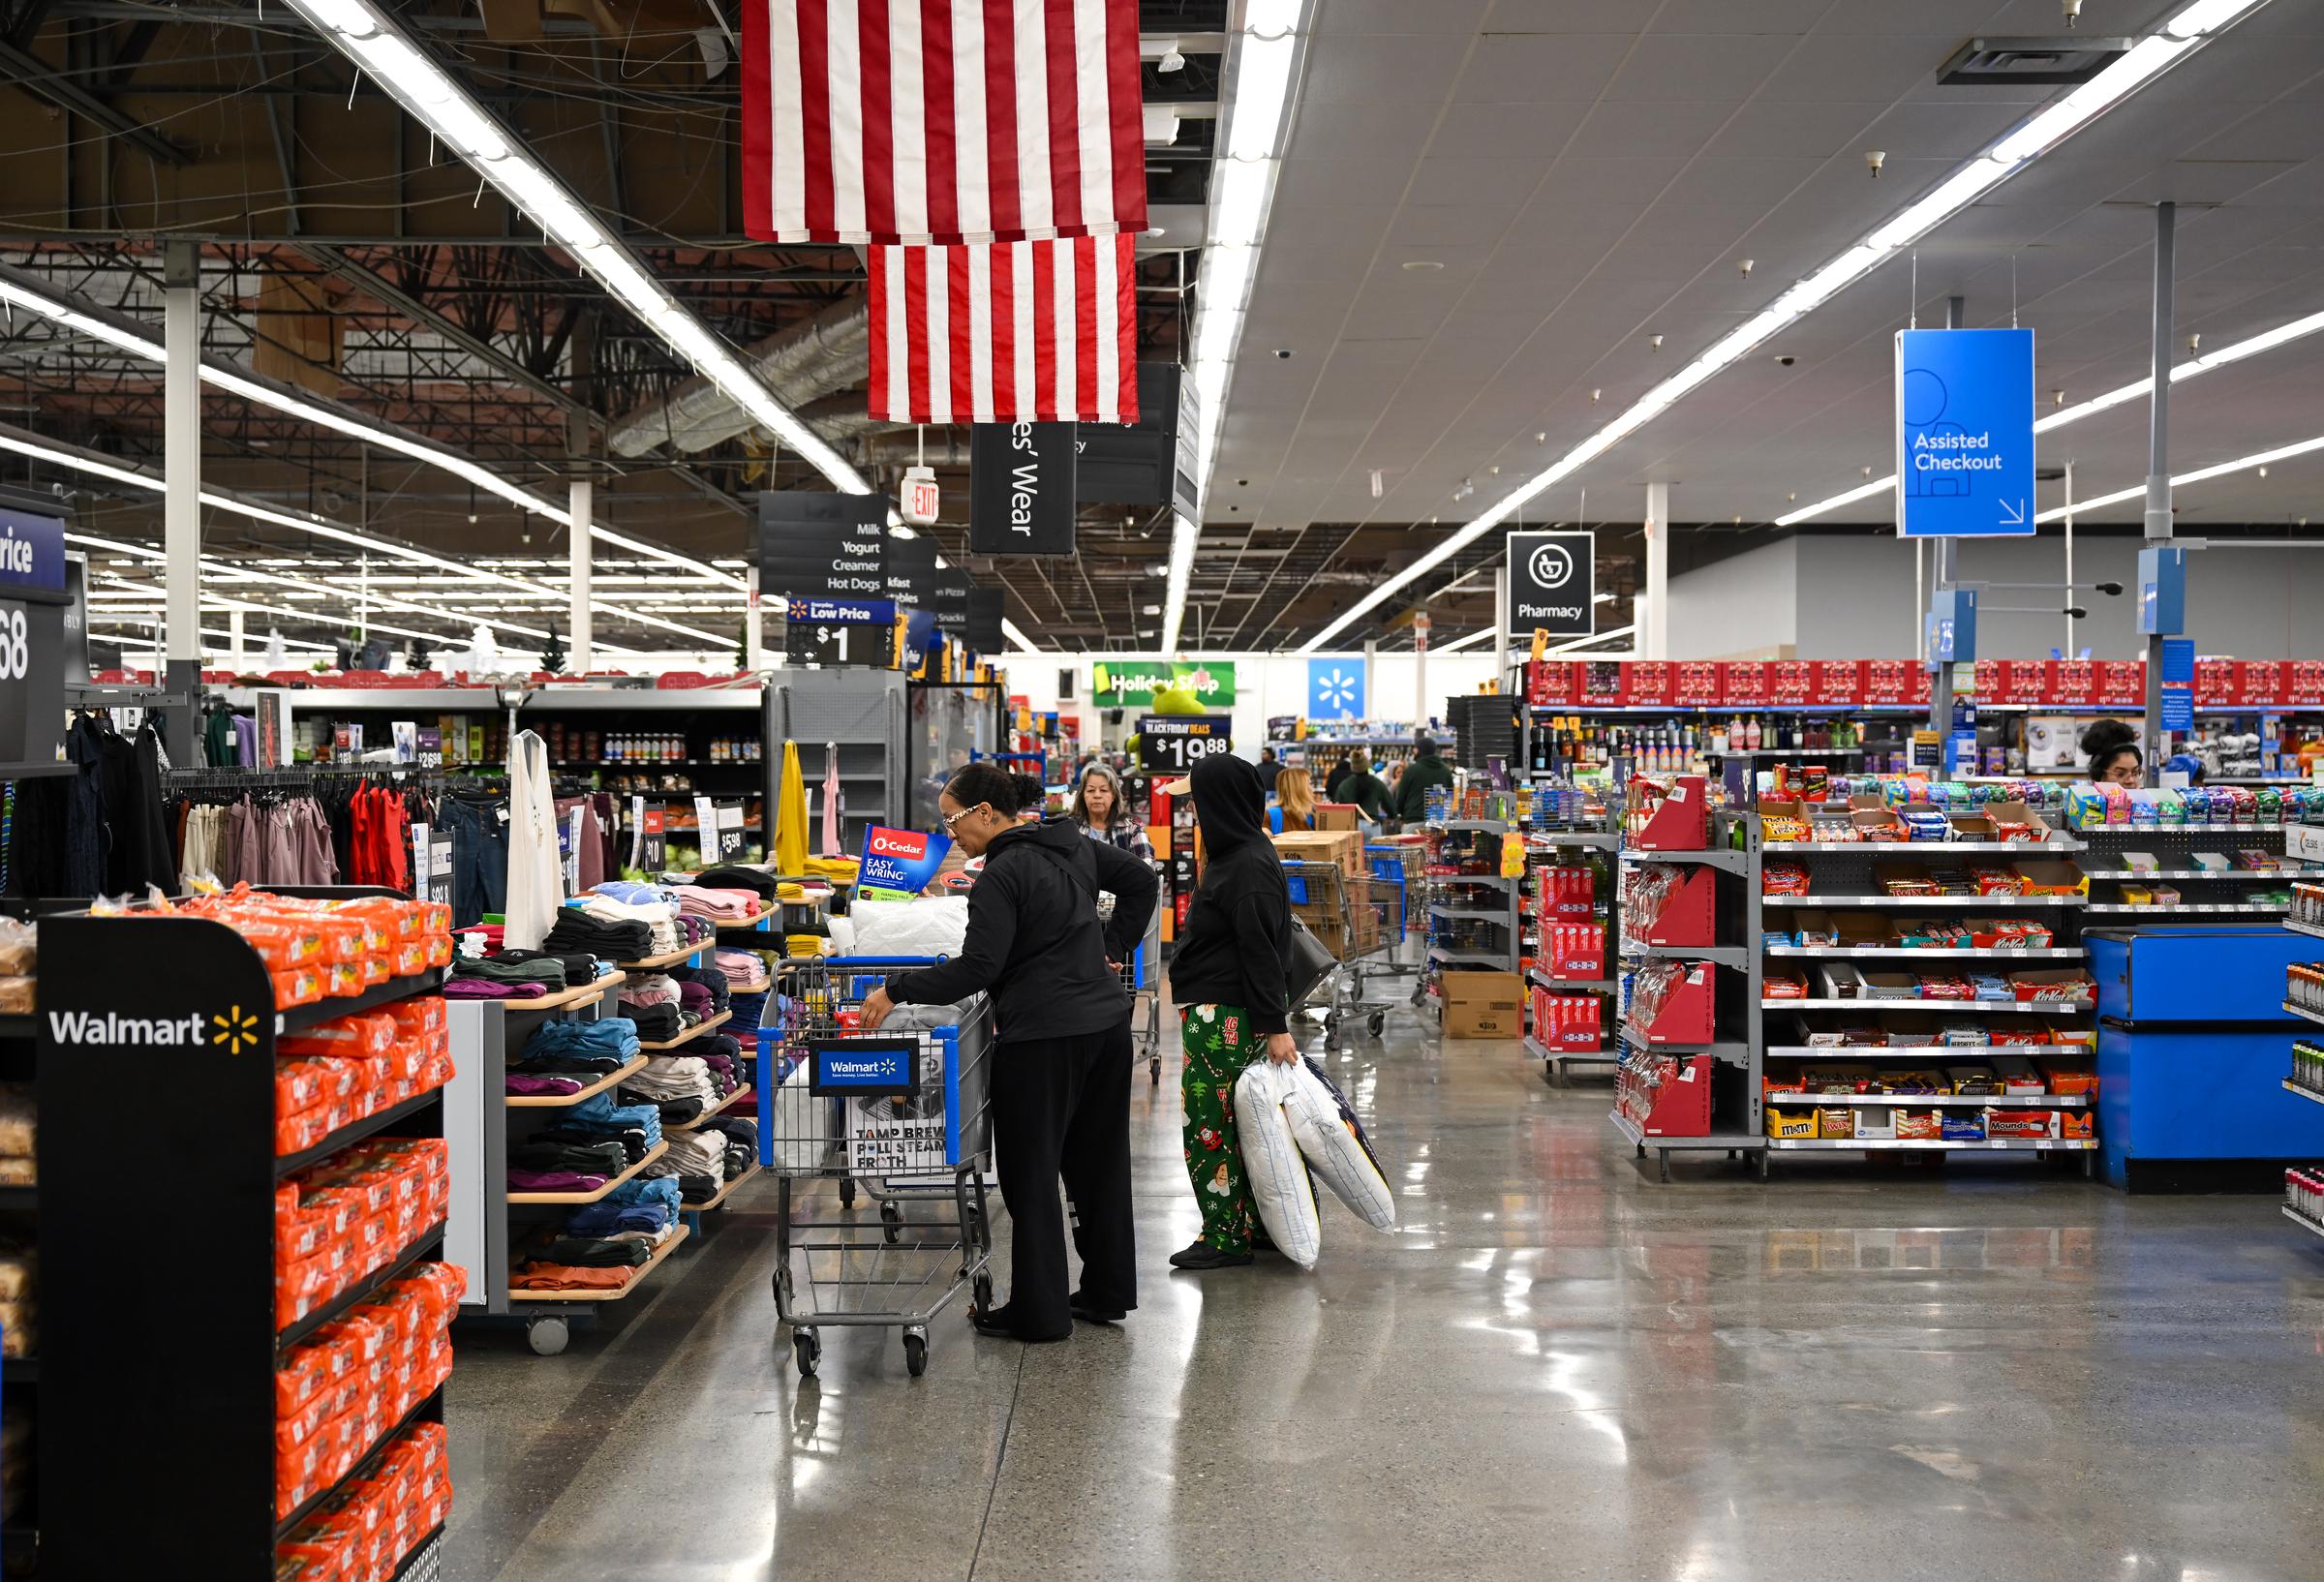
{"x": 2114, "y": 755}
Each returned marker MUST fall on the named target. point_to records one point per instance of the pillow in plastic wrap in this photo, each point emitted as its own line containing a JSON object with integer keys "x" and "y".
{"x": 1271, "y": 1165}
{"x": 843, "y": 935}
{"x": 926, "y": 927}
{"x": 1331, "y": 1140}
{"x": 916, "y": 1019}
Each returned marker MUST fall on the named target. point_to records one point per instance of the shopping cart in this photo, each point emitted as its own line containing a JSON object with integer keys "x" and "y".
{"x": 1346, "y": 912}
{"x": 904, "y": 1115}
{"x": 1141, "y": 977}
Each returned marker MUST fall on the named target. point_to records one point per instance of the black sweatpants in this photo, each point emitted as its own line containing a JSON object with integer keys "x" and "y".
{"x": 1061, "y": 1108}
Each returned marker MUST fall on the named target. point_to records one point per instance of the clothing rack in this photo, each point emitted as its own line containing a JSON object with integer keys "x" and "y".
{"x": 303, "y": 776}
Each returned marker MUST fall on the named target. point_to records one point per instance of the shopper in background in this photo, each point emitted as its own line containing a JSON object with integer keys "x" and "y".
{"x": 1295, "y": 798}
{"x": 1426, "y": 771}
{"x": 2114, "y": 755}
{"x": 1060, "y": 1073}
{"x": 1105, "y": 814}
{"x": 1363, "y": 787}
{"x": 1342, "y": 773}
{"x": 1269, "y": 766}
{"x": 1228, "y": 977}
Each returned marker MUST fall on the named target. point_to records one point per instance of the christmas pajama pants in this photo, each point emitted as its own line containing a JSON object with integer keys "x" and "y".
{"x": 1219, "y": 1043}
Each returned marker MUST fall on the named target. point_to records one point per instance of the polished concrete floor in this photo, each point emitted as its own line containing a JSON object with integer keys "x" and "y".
{"x": 1554, "y": 1367}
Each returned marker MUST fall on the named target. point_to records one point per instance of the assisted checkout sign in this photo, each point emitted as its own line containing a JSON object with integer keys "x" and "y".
{"x": 1964, "y": 432}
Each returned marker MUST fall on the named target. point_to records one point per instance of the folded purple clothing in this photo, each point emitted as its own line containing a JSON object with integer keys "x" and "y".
{"x": 479, "y": 989}
{"x": 524, "y": 1086}
{"x": 552, "y": 1180}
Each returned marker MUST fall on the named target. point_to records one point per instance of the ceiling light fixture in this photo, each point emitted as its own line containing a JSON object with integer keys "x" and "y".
{"x": 2259, "y": 461}
{"x": 2186, "y": 32}
{"x": 448, "y": 109}
{"x": 1265, "y": 58}
{"x": 2235, "y": 351}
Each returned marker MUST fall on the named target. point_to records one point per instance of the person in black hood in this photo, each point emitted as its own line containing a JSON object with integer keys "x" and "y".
{"x": 1228, "y": 977}
{"x": 1060, "y": 1073}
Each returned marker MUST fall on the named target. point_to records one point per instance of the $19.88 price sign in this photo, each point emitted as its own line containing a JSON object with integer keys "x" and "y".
{"x": 1176, "y": 743}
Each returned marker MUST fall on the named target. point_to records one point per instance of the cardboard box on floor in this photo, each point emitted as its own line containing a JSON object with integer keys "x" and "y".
{"x": 1484, "y": 1004}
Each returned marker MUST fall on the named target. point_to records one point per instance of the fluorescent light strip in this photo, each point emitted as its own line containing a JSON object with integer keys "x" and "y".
{"x": 2180, "y": 480}
{"x": 217, "y": 601}
{"x": 440, "y": 103}
{"x": 1258, "y": 104}
{"x": 2132, "y": 71}
{"x": 1483, "y": 634}
{"x": 14, "y": 440}
{"x": 152, "y": 639}
{"x": 2137, "y": 389}
{"x": 21, "y": 294}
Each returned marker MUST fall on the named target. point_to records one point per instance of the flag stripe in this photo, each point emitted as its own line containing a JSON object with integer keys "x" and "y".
{"x": 908, "y": 132}
{"x": 867, "y": 128}
{"x": 1094, "y": 140}
{"x": 982, "y": 333}
{"x": 814, "y": 104}
{"x": 915, "y": 320}
{"x": 964, "y": 180}
{"x": 1124, "y": 88}
{"x": 938, "y": 329}
{"x": 1085, "y": 325}
{"x": 961, "y": 325}
{"x": 1064, "y": 119}
{"x": 1036, "y": 201}
{"x": 939, "y": 120}
{"x": 997, "y": 181}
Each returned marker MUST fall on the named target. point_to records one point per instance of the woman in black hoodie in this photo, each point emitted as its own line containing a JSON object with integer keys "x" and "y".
{"x": 1228, "y": 977}
{"x": 1061, "y": 1074}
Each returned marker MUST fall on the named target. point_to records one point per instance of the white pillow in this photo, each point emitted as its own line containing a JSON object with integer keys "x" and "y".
{"x": 1271, "y": 1165}
{"x": 928, "y": 926}
{"x": 1333, "y": 1141}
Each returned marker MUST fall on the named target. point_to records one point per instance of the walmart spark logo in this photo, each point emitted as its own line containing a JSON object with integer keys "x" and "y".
{"x": 236, "y": 1028}
{"x": 1334, "y": 690}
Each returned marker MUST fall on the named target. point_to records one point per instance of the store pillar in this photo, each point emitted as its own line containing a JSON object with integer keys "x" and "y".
{"x": 2158, "y": 474}
{"x": 579, "y": 540}
{"x": 181, "y": 493}
{"x": 1654, "y": 642}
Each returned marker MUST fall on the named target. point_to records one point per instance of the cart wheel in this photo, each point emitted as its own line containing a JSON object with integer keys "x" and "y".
{"x": 981, "y": 1293}
{"x": 806, "y": 1349}
{"x": 1155, "y": 1070}
{"x": 915, "y": 1351}
{"x": 891, "y": 1223}
{"x": 1375, "y": 1021}
{"x": 546, "y": 1336}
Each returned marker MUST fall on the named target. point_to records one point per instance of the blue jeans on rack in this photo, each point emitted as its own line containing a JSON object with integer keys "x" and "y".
{"x": 480, "y": 860}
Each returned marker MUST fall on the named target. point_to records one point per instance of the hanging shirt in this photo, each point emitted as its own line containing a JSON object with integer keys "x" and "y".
{"x": 535, "y": 875}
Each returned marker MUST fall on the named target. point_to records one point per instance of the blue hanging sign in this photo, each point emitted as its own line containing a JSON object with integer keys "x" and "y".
{"x": 868, "y": 612}
{"x": 1964, "y": 432}
{"x": 1335, "y": 688}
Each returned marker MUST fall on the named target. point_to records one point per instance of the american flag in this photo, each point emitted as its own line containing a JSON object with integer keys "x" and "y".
{"x": 1010, "y": 332}
{"x": 937, "y": 121}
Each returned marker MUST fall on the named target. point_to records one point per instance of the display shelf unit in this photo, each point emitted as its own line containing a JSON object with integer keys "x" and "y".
{"x": 574, "y": 1199}
{"x": 2191, "y": 909}
{"x": 678, "y": 1234}
{"x": 200, "y": 1456}
{"x": 1847, "y": 872}
{"x": 2206, "y": 896}
{"x": 1551, "y": 847}
{"x": 489, "y": 1222}
{"x": 573, "y": 995}
{"x": 692, "y": 1212}
{"x": 2302, "y": 844}
{"x": 1449, "y": 898}
{"x": 665, "y": 959}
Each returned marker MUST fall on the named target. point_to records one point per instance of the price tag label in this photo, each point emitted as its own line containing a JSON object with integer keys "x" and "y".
{"x": 649, "y": 841}
{"x": 1174, "y": 744}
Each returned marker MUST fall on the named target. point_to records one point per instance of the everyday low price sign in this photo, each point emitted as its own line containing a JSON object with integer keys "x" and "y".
{"x": 899, "y": 863}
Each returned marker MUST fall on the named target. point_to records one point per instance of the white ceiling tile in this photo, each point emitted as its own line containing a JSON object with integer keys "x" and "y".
{"x": 1458, "y": 17}
{"x": 1716, "y": 180}
{"x": 1619, "y": 128}
{"x": 1492, "y": 131}
{"x": 1350, "y": 183}
{"x": 1699, "y": 68}
{"x": 1484, "y": 182}
{"x": 1532, "y": 69}
{"x": 1831, "y": 67}
{"x": 1372, "y": 69}
{"x": 1434, "y": 231}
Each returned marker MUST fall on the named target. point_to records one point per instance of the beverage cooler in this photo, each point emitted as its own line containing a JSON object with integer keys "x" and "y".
{"x": 2194, "y": 1043}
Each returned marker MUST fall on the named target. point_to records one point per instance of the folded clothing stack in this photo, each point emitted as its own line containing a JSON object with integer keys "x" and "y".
{"x": 756, "y": 882}
{"x": 609, "y": 1118}
{"x": 679, "y": 1086}
{"x": 697, "y": 930}
{"x": 578, "y": 967}
{"x": 656, "y": 1023}
{"x": 548, "y": 1152}
{"x": 744, "y": 970}
{"x": 714, "y": 981}
{"x": 627, "y": 1136}
{"x": 649, "y": 988}
{"x": 740, "y": 1134}
{"x": 604, "y": 1243}
{"x": 699, "y": 1161}
{"x": 607, "y": 1218}
{"x": 616, "y": 1037}
{"x": 633, "y": 892}
{"x": 660, "y": 917}
{"x": 748, "y": 1011}
{"x": 614, "y": 939}
{"x": 496, "y": 978}
{"x": 717, "y": 903}
{"x": 696, "y": 1004}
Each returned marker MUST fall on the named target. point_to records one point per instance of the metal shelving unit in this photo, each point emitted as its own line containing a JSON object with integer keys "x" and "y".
{"x": 2215, "y": 894}
{"x": 1608, "y": 1053}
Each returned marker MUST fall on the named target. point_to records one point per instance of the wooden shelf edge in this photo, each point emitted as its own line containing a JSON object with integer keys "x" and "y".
{"x": 706, "y": 1024}
{"x": 749, "y": 1090}
{"x": 660, "y": 1254}
{"x": 725, "y": 1191}
{"x": 561, "y": 1100}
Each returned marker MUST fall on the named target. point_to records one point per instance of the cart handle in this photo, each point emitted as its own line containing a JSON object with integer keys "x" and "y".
{"x": 861, "y": 962}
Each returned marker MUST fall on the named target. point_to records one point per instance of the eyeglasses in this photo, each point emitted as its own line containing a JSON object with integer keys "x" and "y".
{"x": 951, "y": 819}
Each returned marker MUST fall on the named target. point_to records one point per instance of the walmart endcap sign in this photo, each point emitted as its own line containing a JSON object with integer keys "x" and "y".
{"x": 1131, "y": 683}
{"x": 1964, "y": 432}
{"x": 899, "y": 863}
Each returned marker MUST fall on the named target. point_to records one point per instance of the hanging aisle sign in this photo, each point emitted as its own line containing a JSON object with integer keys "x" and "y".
{"x": 1176, "y": 743}
{"x": 1553, "y": 584}
{"x": 1020, "y": 488}
{"x": 1964, "y": 432}
{"x": 31, "y": 637}
{"x": 813, "y": 543}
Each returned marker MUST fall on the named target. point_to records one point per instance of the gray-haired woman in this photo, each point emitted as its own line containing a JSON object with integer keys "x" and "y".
{"x": 1105, "y": 814}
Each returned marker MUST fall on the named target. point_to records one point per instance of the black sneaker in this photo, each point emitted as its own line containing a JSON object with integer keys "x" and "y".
{"x": 1090, "y": 1313}
{"x": 1001, "y": 1324}
{"x": 1203, "y": 1256}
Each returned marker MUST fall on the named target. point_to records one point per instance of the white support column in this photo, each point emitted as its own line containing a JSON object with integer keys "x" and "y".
{"x": 181, "y": 463}
{"x": 754, "y": 629}
{"x": 233, "y": 639}
{"x": 1500, "y": 624}
{"x": 1420, "y": 671}
{"x": 578, "y": 541}
{"x": 1654, "y": 643}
